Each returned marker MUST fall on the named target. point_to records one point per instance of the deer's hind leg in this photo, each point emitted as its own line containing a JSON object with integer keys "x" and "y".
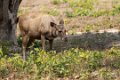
{"x": 25, "y": 40}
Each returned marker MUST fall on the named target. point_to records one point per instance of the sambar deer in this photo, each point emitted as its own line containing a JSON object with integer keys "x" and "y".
{"x": 42, "y": 27}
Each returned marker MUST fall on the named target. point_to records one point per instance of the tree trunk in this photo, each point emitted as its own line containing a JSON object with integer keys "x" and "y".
{"x": 8, "y": 16}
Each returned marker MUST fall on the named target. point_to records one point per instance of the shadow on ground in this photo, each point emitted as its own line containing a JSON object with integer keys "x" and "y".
{"x": 89, "y": 40}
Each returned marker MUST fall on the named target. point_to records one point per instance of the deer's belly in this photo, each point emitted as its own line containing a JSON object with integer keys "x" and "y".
{"x": 35, "y": 35}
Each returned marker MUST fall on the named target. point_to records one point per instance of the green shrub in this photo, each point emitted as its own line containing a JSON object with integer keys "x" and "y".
{"x": 19, "y": 41}
{"x": 95, "y": 60}
{"x": 115, "y": 10}
{"x": 72, "y": 62}
{"x": 106, "y": 74}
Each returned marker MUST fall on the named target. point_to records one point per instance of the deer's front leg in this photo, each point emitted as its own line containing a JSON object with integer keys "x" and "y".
{"x": 43, "y": 41}
{"x": 51, "y": 44}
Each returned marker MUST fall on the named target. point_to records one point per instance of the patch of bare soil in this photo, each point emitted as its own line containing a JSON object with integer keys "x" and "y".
{"x": 31, "y": 3}
{"x": 78, "y": 23}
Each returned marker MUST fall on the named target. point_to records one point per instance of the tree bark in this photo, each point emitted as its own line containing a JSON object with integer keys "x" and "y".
{"x": 8, "y": 16}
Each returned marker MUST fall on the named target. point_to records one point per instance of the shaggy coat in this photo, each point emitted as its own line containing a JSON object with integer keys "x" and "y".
{"x": 40, "y": 26}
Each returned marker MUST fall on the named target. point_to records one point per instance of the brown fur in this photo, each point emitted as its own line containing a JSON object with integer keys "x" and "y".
{"x": 39, "y": 26}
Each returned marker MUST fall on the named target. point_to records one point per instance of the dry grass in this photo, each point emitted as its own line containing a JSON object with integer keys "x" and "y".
{"x": 79, "y": 23}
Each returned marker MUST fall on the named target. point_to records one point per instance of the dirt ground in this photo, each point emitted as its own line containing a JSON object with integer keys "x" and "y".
{"x": 77, "y": 24}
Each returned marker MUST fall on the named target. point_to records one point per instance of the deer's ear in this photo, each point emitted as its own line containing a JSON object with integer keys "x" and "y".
{"x": 61, "y": 22}
{"x": 52, "y": 24}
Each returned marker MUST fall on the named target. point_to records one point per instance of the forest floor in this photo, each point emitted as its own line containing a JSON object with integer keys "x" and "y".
{"x": 100, "y": 20}
{"x": 93, "y": 27}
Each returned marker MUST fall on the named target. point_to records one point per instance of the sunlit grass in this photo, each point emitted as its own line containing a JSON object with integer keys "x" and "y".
{"x": 70, "y": 63}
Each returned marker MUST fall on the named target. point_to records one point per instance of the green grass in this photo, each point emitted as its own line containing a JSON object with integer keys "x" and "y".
{"x": 86, "y": 8}
{"x": 70, "y": 63}
{"x": 56, "y": 2}
{"x": 53, "y": 12}
{"x": 80, "y": 8}
{"x": 115, "y": 10}
{"x": 86, "y": 4}
{"x": 88, "y": 28}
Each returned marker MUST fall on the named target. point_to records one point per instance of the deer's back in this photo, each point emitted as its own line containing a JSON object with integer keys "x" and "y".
{"x": 35, "y": 24}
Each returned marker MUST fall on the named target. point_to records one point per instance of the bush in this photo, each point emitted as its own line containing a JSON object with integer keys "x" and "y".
{"x": 70, "y": 63}
{"x": 116, "y": 10}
